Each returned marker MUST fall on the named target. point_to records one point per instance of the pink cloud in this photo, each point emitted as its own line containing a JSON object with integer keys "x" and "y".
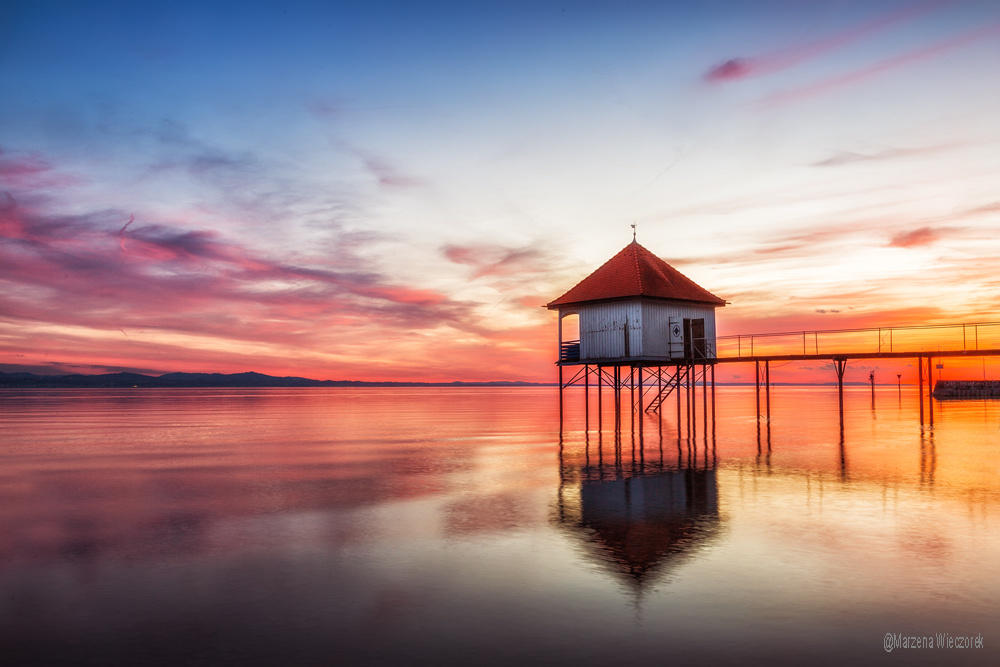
{"x": 387, "y": 174}
{"x": 895, "y": 62}
{"x": 188, "y": 280}
{"x": 25, "y": 167}
{"x": 494, "y": 259}
{"x": 916, "y": 237}
{"x": 121, "y": 232}
{"x": 741, "y": 68}
{"x": 732, "y": 69}
{"x": 135, "y": 279}
{"x": 30, "y": 171}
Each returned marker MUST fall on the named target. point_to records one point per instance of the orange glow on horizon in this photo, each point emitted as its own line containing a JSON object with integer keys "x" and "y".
{"x": 413, "y": 229}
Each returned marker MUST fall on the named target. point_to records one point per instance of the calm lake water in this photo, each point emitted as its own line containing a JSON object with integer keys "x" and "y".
{"x": 347, "y": 526}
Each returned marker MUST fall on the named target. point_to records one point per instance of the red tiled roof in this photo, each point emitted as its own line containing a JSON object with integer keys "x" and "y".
{"x": 636, "y": 271}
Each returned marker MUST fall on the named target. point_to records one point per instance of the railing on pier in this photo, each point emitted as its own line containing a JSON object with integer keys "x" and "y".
{"x": 569, "y": 350}
{"x": 965, "y": 337}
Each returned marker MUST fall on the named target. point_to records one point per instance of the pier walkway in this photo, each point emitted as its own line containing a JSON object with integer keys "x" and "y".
{"x": 650, "y": 381}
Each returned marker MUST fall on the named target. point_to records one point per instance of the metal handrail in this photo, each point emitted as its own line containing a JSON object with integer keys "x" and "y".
{"x": 569, "y": 350}
{"x": 745, "y": 343}
{"x": 897, "y": 328}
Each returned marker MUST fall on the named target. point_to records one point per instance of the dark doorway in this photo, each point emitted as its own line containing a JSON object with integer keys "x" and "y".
{"x": 694, "y": 338}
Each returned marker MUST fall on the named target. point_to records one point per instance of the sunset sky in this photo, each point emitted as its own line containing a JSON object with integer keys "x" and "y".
{"x": 391, "y": 191}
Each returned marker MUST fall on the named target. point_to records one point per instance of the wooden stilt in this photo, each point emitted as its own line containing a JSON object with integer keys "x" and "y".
{"x": 756, "y": 383}
{"x": 930, "y": 389}
{"x": 659, "y": 393}
{"x": 659, "y": 407}
{"x": 631, "y": 398}
{"x": 641, "y": 420}
{"x": 713, "y": 400}
{"x": 618, "y": 399}
{"x": 692, "y": 396}
{"x": 840, "y": 365}
{"x": 920, "y": 387}
{"x": 677, "y": 392}
{"x": 756, "y": 368}
{"x": 767, "y": 394}
{"x": 600, "y": 391}
{"x": 560, "y": 401}
{"x": 704, "y": 401}
{"x": 767, "y": 388}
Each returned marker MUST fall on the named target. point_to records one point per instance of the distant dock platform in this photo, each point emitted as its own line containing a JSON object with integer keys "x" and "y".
{"x": 957, "y": 389}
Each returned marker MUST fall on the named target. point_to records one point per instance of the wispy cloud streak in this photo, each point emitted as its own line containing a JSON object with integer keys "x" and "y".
{"x": 917, "y": 237}
{"x": 851, "y": 157}
{"x": 870, "y": 71}
{"x": 742, "y": 68}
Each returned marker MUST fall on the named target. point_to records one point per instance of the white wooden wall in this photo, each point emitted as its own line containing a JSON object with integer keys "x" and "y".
{"x": 656, "y": 321}
{"x": 602, "y": 329}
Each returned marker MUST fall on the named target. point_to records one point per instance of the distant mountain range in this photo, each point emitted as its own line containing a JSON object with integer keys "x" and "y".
{"x": 112, "y": 380}
{"x": 20, "y": 380}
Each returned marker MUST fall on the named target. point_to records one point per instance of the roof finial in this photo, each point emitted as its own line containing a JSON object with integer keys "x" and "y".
{"x": 633, "y": 232}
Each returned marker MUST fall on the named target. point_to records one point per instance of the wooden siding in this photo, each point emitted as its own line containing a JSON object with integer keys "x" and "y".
{"x": 602, "y": 329}
{"x": 656, "y": 317}
{"x": 603, "y": 326}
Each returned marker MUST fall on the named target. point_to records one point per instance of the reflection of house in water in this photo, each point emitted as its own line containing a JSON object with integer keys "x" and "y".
{"x": 643, "y": 524}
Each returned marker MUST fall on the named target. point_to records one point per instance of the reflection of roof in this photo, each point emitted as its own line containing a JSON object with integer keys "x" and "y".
{"x": 635, "y": 271}
{"x": 639, "y": 524}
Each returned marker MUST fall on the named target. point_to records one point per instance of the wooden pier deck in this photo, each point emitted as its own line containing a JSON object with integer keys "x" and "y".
{"x": 923, "y": 343}
{"x": 832, "y": 356}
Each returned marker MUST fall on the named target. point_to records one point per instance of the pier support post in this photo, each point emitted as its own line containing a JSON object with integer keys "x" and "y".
{"x": 767, "y": 389}
{"x": 618, "y": 399}
{"x": 641, "y": 413}
{"x": 687, "y": 401}
{"x": 659, "y": 392}
{"x": 614, "y": 396}
{"x": 930, "y": 390}
{"x": 659, "y": 407}
{"x": 756, "y": 382}
{"x": 713, "y": 402}
{"x": 586, "y": 398}
{"x": 840, "y": 365}
{"x": 677, "y": 392}
{"x": 600, "y": 389}
{"x": 704, "y": 401}
{"x": 920, "y": 387}
{"x": 560, "y": 401}
{"x": 631, "y": 398}
{"x": 692, "y": 404}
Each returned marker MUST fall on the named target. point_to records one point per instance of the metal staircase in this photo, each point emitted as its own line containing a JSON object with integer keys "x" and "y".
{"x": 667, "y": 386}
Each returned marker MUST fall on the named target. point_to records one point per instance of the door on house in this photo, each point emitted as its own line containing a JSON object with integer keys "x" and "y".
{"x": 694, "y": 338}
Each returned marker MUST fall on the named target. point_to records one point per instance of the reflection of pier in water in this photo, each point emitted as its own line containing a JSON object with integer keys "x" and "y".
{"x": 641, "y": 509}
{"x": 621, "y": 447}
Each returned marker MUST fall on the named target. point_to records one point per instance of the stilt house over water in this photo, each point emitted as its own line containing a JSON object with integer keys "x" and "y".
{"x": 638, "y": 308}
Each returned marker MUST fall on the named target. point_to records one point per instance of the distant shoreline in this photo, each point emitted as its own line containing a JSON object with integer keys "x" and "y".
{"x": 213, "y": 380}
{"x": 253, "y": 380}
